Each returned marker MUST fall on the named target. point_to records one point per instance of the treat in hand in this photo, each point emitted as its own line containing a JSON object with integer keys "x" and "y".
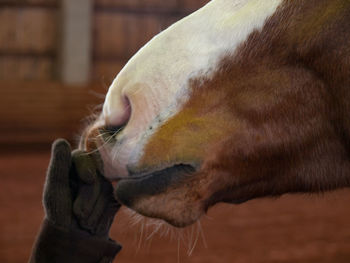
{"x": 79, "y": 210}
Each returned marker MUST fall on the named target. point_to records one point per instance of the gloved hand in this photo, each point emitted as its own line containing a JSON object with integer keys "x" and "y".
{"x": 79, "y": 210}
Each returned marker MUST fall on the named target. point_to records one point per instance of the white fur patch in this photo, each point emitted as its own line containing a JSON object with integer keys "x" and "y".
{"x": 156, "y": 78}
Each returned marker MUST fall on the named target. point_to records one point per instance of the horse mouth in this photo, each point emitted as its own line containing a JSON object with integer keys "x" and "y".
{"x": 135, "y": 187}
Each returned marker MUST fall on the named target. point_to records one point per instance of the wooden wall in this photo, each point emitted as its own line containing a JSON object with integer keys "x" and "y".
{"x": 35, "y": 108}
{"x": 28, "y": 32}
{"x": 43, "y": 111}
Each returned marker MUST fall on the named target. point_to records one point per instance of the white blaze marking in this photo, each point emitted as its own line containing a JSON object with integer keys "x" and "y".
{"x": 155, "y": 80}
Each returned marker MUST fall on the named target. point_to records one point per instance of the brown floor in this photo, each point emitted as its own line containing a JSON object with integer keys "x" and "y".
{"x": 294, "y": 229}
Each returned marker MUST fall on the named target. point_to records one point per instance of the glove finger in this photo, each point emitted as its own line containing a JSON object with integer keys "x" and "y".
{"x": 85, "y": 201}
{"x": 103, "y": 226}
{"x": 106, "y": 220}
{"x": 57, "y": 195}
{"x": 105, "y": 207}
{"x": 85, "y": 166}
{"x": 96, "y": 214}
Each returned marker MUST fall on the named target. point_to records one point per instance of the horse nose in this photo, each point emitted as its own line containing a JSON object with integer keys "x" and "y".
{"x": 116, "y": 110}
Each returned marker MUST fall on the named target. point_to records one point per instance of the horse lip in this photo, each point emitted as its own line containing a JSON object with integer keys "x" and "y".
{"x": 131, "y": 188}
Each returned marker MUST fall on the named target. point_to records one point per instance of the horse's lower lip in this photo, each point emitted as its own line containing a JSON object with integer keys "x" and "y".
{"x": 128, "y": 189}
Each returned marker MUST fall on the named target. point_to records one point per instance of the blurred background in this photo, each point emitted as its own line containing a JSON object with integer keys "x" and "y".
{"x": 57, "y": 59}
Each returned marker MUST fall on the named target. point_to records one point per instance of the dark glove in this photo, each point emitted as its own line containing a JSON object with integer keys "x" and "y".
{"x": 79, "y": 208}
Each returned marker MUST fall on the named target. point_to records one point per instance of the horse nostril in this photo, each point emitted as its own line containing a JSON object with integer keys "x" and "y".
{"x": 110, "y": 131}
{"x": 116, "y": 111}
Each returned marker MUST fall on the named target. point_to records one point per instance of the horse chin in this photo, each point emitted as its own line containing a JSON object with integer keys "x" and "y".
{"x": 164, "y": 195}
{"x": 173, "y": 211}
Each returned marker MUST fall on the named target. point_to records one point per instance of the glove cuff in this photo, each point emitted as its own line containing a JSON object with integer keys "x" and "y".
{"x": 57, "y": 244}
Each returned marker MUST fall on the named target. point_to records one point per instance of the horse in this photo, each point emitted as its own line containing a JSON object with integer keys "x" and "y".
{"x": 242, "y": 99}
